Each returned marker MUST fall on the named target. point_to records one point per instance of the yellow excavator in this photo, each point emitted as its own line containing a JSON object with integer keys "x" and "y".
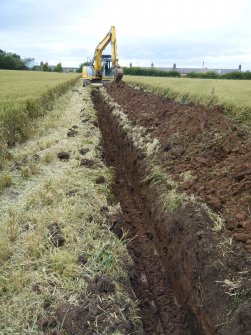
{"x": 104, "y": 68}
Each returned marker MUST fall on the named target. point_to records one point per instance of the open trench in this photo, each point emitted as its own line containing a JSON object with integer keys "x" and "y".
{"x": 159, "y": 308}
{"x": 184, "y": 269}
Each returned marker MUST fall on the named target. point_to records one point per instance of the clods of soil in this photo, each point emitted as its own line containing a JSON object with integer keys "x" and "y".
{"x": 72, "y": 193}
{"x": 58, "y": 240}
{"x": 101, "y": 284}
{"x": 79, "y": 320}
{"x": 72, "y": 133}
{"x": 63, "y": 155}
{"x": 116, "y": 228}
{"x": 104, "y": 209}
{"x": 100, "y": 180}
{"x": 82, "y": 259}
{"x": 100, "y": 303}
{"x": 117, "y": 224}
{"x": 84, "y": 120}
{"x": 46, "y": 323}
{"x": 56, "y": 237}
{"x": 89, "y": 163}
{"x": 84, "y": 151}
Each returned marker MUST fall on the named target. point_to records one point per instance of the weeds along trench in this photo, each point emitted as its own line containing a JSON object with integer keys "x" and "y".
{"x": 190, "y": 276}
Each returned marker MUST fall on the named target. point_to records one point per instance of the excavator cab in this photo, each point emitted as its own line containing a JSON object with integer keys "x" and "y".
{"x": 89, "y": 76}
{"x": 107, "y": 69}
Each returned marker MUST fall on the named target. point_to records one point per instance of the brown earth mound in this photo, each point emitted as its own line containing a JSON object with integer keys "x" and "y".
{"x": 206, "y": 152}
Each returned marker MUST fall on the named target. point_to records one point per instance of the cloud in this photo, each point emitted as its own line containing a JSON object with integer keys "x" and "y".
{"x": 185, "y": 32}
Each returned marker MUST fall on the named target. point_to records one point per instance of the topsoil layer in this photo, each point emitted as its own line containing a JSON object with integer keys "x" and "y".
{"x": 205, "y": 151}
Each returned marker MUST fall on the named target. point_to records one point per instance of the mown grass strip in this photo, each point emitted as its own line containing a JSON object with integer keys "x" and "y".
{"x": 232, "y": 95}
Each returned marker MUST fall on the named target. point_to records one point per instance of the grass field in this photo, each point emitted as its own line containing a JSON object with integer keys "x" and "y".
{"x": 25, "y": 95}
{"x": 233, "y": 95}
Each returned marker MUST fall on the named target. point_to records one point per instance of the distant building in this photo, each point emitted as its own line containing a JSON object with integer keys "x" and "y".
{"x": 186, "y": 70}
{"x": 65, "y": 69}
{"x": 52, "y": 68}
{"x": 70, "y": 69}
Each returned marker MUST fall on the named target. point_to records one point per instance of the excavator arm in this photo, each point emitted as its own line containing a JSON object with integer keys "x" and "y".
{"x": 97, "y": 60}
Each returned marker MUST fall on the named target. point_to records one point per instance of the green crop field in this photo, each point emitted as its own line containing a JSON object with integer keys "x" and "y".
{"x": 233, "y": 95}
{"x": 25, "y": 95}
{"x": 22, "y": 85}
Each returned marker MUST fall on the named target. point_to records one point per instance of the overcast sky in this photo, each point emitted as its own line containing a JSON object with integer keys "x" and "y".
{"x": 186, "y": 32}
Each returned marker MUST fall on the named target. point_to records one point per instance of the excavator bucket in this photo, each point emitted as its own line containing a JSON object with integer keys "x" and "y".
{"x": 118, "y": 73}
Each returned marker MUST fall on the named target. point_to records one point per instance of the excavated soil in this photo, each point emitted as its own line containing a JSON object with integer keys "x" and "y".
{"x": 188, "y": 279}
{"x": 206, "y": 152}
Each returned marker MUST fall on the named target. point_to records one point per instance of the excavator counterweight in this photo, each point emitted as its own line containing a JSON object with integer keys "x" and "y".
{"x": 104, "y": 68}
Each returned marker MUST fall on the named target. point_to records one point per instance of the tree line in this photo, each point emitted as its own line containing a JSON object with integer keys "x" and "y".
{"x": 213, "y": 75}
{"x": 140, "y": 71}
{"x": 13, "y": 61}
